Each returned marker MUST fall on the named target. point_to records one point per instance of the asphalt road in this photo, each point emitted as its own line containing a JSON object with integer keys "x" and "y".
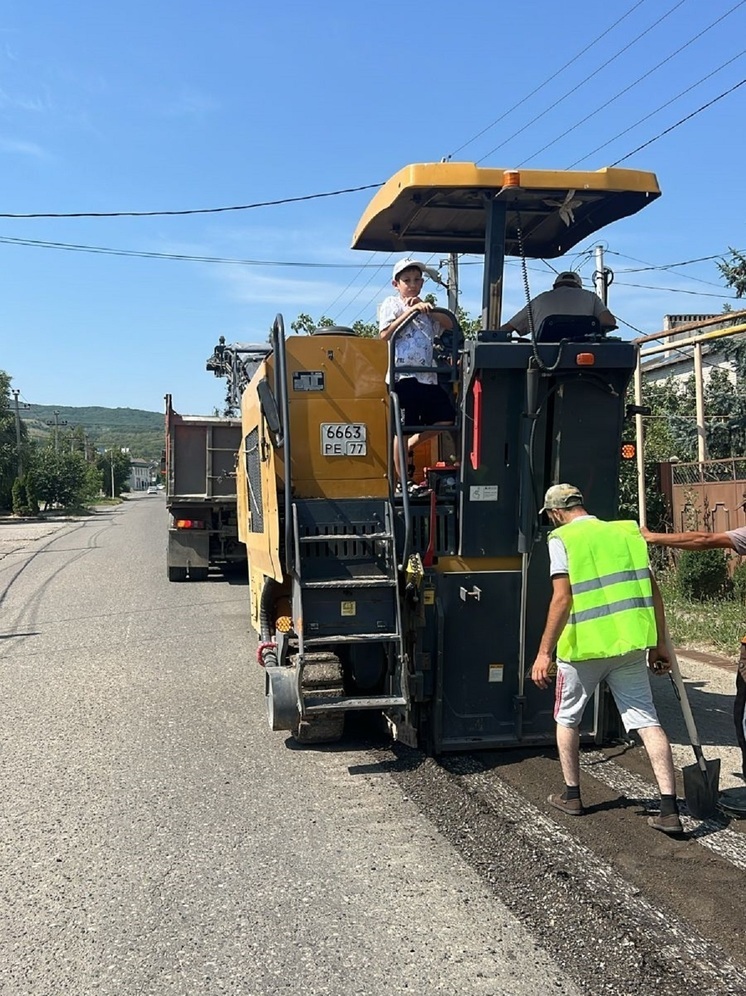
{"x": 158, "y": 839}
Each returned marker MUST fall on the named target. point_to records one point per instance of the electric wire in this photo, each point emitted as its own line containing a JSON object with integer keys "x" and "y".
{"x": 547, "y": 81}
{"x": 215, "y": 210}
{"x": 361, "y": 267}
{"x": 679, "y": 290}
{"x": 73, "y": 247}
{"x": 630, "y": 86}
{"x": 582, "y": 83}
{"x": 661, "y": 107}
{"x": 680, "y": 122}
{"x": 668, "y": 266}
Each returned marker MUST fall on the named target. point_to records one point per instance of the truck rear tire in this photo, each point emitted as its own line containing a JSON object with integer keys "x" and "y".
{"x": 198, "y": 573}
{"x": 177, "y": 573}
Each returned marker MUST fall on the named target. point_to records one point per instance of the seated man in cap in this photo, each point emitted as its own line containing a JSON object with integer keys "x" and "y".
{"x": 605, "y": 617}
{"x": 566, "y": 298}
{"x": 422, "y": 399}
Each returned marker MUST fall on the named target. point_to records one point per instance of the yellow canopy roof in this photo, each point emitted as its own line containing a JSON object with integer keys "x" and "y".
{"x": 441, "y": 207}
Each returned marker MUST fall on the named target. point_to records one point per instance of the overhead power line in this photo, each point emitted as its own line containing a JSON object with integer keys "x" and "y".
{"x": 661, "y": 107}
{"x": 216, "y": 210}
{"x": 677, "y": 290}
{"x": 72, "y": 247}
{"x": 680, "y": 122}
{"x": 568, "y": 93}
{"x": 547, "y": 81}
{"x": 634, "y": 83}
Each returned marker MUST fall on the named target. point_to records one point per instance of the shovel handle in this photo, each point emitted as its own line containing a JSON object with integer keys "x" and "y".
{"x": 686, "y": 709}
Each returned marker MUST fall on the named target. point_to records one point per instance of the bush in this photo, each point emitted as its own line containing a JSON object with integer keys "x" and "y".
{"x": 702, "y": 574}
{"x": 24, "y": 499}
{"x": 739, "y": 582}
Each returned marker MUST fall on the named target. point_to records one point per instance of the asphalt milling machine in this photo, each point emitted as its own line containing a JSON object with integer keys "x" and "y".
{"x": 428, "y": 610}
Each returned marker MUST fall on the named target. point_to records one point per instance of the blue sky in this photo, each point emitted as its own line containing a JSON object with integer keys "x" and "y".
{"x": 166, "y": 106}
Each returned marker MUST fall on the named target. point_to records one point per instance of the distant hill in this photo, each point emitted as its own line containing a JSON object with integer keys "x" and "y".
{"x": 132, "y": 428}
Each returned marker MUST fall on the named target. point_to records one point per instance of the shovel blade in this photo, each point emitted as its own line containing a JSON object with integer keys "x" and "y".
{"x": 701, "y": 789}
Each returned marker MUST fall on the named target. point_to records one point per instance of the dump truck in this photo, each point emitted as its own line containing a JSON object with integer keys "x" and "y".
{"x": 200, "y": 477}
{"x": 428, "y": 609}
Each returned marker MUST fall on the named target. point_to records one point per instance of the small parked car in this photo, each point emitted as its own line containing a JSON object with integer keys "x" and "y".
{"x": 152, "y": 490}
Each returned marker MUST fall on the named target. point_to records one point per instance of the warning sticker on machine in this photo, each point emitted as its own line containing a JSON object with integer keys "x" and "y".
{"x": 348, "y": 608}
{"x": 496, "y": 672}
{"x": 308, "y": 380}
{"x": 483, "y": 492}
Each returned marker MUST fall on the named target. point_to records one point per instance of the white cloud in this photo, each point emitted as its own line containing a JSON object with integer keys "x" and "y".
{"x": 259, "y": 288}
{"x": 21, "y": 103}
{"x": 20, "y": 148}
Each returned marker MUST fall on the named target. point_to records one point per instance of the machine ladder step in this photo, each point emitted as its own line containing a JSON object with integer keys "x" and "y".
{"x": 349, "y": 638}
{"x": 316, "y": 704}
{"x": 351, "y": 583}
{"x": 333, "y": 537}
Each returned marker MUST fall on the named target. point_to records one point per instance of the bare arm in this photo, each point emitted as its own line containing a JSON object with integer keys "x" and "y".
{"x": 658, "y": 655}
{"x": 413, "y": 304}
{"x": 607, "y": 320}
{"x": 690, "y": 540}
{"x": 557, "y": 616}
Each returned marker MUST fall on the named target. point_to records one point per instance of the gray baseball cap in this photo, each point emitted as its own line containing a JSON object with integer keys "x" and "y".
{"x": 562, "y": 496}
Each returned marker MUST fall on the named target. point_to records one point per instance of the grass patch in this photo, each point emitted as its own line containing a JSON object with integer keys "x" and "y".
{"x": 715, "y": 626}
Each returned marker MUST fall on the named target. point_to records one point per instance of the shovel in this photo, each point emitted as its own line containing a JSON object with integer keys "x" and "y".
{"x": 701, "y": 780}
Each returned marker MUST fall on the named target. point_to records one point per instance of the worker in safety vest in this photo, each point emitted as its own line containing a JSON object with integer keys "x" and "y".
{"x": 605, "y": 618}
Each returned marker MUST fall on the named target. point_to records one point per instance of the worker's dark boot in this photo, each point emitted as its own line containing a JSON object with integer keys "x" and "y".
{"x": 670, "y": 824}
{"x": 573, "y": 807}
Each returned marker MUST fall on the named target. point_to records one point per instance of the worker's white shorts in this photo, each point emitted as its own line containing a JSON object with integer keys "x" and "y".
{"x": 627, "y": 678}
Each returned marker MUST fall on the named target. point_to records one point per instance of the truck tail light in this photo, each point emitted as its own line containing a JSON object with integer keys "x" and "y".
{"x": 189, "y": 524}
{"x": 585, "y": 359}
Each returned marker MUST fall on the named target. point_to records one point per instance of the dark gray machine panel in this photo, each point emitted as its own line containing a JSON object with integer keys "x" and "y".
{"x": 477, "y": 690}
{"x": 479, "y": 698}
{"x": 510, "y": 457}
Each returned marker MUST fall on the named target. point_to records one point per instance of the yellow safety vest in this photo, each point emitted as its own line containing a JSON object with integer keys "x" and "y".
{"x": 612, "y": 594}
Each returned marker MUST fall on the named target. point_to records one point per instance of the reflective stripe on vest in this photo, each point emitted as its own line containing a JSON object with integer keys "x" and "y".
{"x": 612, "y": 609}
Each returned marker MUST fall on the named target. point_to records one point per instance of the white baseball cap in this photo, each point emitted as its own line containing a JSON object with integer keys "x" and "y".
{"x": 404, "y": 264}
{"x": 568, "y": 279}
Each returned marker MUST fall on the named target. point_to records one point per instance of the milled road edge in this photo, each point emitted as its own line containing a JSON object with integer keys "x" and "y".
{"x": 593, "y": 922}
{"x": 714, "y": 834}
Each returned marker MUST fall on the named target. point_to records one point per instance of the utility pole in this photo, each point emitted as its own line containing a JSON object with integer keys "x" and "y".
{"x": 603, "y": 277}
{"x": 452, "y": 283}
{"x": 16, "y": 392}
{"x": 57, "y": 423}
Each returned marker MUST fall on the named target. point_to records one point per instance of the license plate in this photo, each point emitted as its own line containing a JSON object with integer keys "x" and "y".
{"x": 347, "y": 439}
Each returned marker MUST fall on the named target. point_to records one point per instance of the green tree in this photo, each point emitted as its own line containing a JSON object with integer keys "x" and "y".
{"x": 9, "y": 455}
{"x": 668, "y": 431}
{"x": 121, "y": 470}
{"x": 734, "y": 272}
{"x": 8, "y": 446}
{"x": 59, "y": 480}
{"x": 305, "y": 325}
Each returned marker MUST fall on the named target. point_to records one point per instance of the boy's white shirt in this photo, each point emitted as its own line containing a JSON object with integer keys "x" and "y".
{"x": 414, "y": 346}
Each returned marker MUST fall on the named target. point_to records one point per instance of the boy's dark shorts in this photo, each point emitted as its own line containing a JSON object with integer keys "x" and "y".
{"x": 423, "y": 404}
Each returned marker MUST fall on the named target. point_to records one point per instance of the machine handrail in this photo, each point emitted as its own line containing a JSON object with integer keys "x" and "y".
{"x": 450, "y": 368}
{"x": 395, "y": 409}
{"x": 281, "y": 392}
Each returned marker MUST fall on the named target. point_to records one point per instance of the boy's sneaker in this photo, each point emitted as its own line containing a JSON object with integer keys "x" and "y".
{"x": 670, "y": 824}
{"x": 413, "y": 490}
{"x": 573, "y": 807}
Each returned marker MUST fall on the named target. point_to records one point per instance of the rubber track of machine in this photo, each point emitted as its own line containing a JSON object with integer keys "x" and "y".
{"x": 322, "y": 677}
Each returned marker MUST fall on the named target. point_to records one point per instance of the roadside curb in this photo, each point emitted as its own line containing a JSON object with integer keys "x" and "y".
{"x": 714, "y": 660}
